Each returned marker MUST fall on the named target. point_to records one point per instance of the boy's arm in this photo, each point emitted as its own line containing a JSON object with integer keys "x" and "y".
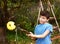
{"x": 40, "y": 36}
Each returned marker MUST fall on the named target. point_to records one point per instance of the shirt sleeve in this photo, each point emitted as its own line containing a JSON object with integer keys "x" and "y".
{"x": 50, "y": 28}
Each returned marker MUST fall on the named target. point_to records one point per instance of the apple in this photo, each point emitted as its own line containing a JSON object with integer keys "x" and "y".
{"x": 11, "y": 25}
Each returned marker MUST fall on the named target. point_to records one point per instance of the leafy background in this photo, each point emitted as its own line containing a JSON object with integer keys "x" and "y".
{"x": 25, "y": 13}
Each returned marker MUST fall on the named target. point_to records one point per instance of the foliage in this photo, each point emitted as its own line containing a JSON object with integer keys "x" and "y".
{"x": 25, "y": 13}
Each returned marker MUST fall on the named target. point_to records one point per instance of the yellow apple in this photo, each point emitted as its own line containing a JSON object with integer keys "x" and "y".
{"x": 11, "y": 25}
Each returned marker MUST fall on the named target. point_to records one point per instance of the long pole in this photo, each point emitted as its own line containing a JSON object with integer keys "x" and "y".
{"x": 40, "y": 9}
{"x": 16, "y": 36}
{"x": 53, "y": 14}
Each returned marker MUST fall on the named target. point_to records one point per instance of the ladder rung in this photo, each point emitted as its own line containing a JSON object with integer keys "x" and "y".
{"x": 51, "y": 18}
{"x": 55, "y": 28}
{"x": 55, "y": 37}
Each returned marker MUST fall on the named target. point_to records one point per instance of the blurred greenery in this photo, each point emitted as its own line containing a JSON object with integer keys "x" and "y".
{"x": 25, "y": 13}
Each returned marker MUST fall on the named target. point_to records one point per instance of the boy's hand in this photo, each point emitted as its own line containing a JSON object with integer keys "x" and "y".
{"x": 30, "y": 35}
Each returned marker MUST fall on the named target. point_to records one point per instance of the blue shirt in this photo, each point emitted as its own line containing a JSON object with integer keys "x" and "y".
{"x": 40, "y": 29}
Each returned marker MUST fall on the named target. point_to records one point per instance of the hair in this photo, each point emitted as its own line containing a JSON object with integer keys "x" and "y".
{"x": 45, "y": 13}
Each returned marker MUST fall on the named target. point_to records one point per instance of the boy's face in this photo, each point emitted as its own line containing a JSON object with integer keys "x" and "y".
{"x": 43, "y": 19}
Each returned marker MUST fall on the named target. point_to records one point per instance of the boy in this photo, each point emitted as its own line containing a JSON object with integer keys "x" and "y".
{"x": 43, "y": 30}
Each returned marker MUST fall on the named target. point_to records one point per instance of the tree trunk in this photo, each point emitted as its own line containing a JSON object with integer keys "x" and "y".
{"x": 3, "y": 39}
{"x": 3, "y": 20}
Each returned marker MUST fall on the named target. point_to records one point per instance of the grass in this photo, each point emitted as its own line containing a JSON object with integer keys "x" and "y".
{"x": 23, "y": 39}
{"x": 28, "y": 41}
